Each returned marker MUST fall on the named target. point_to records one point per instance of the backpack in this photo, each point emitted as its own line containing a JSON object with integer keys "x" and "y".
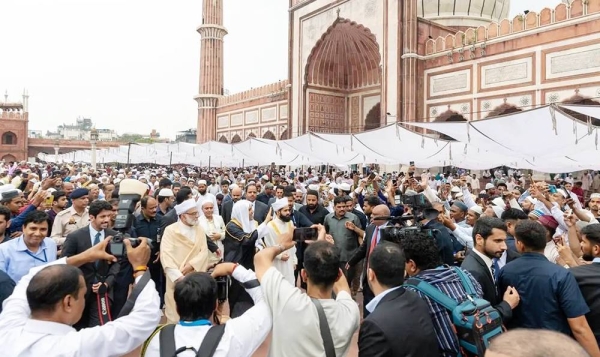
{"x": 166, "y": 335}
{"x": 474, "y": 320}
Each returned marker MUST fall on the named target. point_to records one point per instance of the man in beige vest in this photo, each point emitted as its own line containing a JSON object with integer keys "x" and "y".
{"x": 183, "y": 250}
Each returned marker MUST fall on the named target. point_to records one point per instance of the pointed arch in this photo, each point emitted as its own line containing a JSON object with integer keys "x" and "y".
{"x": 503, "y": 109}
{"x": 251, "y": 135}
{"x": 578, "y": 99}
{"x": 236, "y": 139}
{"x": 449, "y": 116}
{"x": 346, "y": 57}
{"x": 284, "y": 135}
{"x": 373, "y": 120}
{"x": 9, "y": 158}
{"x": 9, "y": 138}
{"x": 269, "y": 135}
{"x": 223, "y": 139}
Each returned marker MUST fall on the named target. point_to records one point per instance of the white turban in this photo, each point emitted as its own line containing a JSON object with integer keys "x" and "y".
{"x": 279, "y": 204}
{"x": 185, "y": 206}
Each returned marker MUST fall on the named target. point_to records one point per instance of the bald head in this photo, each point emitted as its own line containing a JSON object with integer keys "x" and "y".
{"x": 381, "y": 210}
{"x": 534, "y": 343}
{"x": 51, "y": 285}
{"x": 236, "y": 194}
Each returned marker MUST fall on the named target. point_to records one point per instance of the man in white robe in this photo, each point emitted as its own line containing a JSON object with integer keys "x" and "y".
{"x": 204, "y": 195}
{"x": 281, "y": 224}
{"x": 183, "y": 250}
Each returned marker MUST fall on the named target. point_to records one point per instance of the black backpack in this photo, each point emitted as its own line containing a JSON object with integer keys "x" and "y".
{"x": 167, "y": 341}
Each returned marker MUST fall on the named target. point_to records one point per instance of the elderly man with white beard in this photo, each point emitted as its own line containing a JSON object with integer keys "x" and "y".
{"x": 183, "y": 250}
{"x": 286, "y": 261}
{"x": 204, "y": 195}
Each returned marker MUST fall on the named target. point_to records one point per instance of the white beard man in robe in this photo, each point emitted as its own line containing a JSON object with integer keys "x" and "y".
{"x": 286, "y": 261}
{"x": 183, "y": 250}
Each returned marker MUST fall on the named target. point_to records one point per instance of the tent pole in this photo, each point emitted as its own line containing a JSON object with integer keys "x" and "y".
{"x": 209, "y": 163}
{"x": 171, "y": 160}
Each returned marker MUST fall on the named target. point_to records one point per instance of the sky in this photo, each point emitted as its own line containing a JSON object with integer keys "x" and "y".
{"x": 133, "y": 65}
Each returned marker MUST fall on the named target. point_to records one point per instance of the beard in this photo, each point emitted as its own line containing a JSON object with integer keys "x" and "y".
{"x": 190, "y": 222}
{"x": 285, "y": 218}
{"x": 588, "y": 257}
{"x": 311, "y": 207}
{"x": 202, "y": 192}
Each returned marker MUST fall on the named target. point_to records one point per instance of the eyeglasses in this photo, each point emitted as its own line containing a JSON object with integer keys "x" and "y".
{"x": 193, "y": 214}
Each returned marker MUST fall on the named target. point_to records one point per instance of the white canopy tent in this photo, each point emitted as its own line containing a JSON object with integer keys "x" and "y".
{"x": 545, "y": 139}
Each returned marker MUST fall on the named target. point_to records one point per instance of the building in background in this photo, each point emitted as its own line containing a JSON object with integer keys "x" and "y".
{"x": 14, "y": 121}
{"x": 35, "y": 134}
{"x": 81, "y": 131}
{"x": 186, "y": 136}
{"x": 356, "y": 65}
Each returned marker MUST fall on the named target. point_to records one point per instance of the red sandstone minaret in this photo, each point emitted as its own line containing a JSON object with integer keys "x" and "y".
{"x": 212, "y": 33}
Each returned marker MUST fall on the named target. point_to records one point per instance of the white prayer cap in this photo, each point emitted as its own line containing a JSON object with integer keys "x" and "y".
{"x": 8, "y": 192}
{"x": 185, "y": 206}
{"x": 498, "y": 211}
{"x": 313, "y": 187}
{"x": 279, "y": 204}
{"x": 344, "y": 187}
{"x": 477, "y": 209}
{"x": 562, "y": 192}
{"x": 499, "y": 202}
{"x": 202, "y": 182}
{"x": 489, "y": 186}
{"x": 595, "y": 196}
{"x": 455, "y": 189}
{"x": 166, "y": 192}
{"x": 205, "y": 202}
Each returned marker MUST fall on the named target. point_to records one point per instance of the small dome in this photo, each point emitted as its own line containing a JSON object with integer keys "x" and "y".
{"x": 463, "y": 13}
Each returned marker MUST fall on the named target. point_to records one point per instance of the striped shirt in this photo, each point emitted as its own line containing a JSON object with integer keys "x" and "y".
{"x": 446, "y": 280}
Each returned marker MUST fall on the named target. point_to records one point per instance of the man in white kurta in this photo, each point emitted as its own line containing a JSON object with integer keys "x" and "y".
{"x": 183, "y": 250}
{"x": 286, "y": 261}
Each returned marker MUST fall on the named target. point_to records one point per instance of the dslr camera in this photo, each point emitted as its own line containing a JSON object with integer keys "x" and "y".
{"x": 130, "y": 192}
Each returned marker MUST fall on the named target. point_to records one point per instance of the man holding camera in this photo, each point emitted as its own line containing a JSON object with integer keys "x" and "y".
{"x": 50, "y": 299}
{"x": 196, "y": 297}
{"x": 99, "y": 276}
{"x": 183, "y": 250}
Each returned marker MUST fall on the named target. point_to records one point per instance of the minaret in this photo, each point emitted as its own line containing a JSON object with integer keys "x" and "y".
{"x": 212, "y": 33}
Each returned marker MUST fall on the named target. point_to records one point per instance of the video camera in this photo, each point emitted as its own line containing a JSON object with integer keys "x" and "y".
{"x": 130, "y": 192}
{"x": 399, "y": 228}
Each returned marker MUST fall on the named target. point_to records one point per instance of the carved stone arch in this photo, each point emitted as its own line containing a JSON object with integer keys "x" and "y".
{"x": 373, "y": 120}
{"x": 236, "y": 139}
{"x": 346, "y": 57}
{"x": 8, "y": 158}
{"x": 578, "y": 99}
{"x": 449, "y": 116}
{"x": 9, "y": 138}
{"x": 251, "y": 135}
{"x": 223, "y": 139}
{"x": 269, "y": 135}
{"x": 503, "y": 109}
{"x": 284, "y": 135}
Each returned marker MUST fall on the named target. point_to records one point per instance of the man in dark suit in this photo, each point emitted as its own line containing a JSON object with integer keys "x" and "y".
{"x": 489, "y": 240}
{"x": 260, "y": 209}
{"x": 440, "y": 233}
{"x": 371, "y": 239}
{"x": 99, "y": 276}
{"x": 588, "y": 275}
{"x": 511, "y": 216}
{"x": 267, "y": 194}
{"x": 236, "y": 195}
{"x": 395, "y": 311}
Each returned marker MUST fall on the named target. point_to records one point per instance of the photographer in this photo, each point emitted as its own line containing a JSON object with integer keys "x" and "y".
{"x": 37, "y": 318}
{"x": 196, "y": 296}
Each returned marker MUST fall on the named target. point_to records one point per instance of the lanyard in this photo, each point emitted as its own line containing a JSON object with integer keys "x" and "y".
{"x": 202, "y": 322}
{"x": 45, "y": 260}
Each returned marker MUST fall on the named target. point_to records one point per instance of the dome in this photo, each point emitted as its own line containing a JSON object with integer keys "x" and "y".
{"x": 463, "y": 13}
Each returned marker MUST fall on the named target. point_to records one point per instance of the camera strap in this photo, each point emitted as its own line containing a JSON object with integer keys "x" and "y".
{"x": 209, "y": 344}
{"x": 103, "y": 304}
{"x": 325, "y": 331}
{"x": 137, "y": 290}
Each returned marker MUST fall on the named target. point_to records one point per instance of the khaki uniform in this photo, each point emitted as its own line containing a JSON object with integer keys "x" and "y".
{"x": 68, "y": 221}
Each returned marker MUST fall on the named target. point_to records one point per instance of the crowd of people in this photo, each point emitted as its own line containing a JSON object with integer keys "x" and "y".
{"x": 392, "y": 256}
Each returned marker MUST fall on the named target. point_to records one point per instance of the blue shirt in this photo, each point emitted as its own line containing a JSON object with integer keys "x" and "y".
{"x": 549, "y": 293}
{"x": 93, "y": 233}
{"x": 16, "y": 259}
{"x": 373, "y": 303}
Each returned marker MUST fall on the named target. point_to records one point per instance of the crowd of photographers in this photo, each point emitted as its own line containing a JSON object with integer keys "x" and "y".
{"x": 443, "y": 267}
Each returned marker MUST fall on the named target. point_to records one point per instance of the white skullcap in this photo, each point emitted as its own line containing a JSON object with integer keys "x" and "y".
{"x": 205, "y": 202}
{"x": 166, "y": 192}
{"x": 344, "y": 187}
{"x": 455, "y": 189}
{"x": 279, "y": 204}
{"x": 202, "y": 182}
{"x": 185, "y": 206}
{"x": 313, "y": 187}
{"x": 477, "y": 209}
{"x": 595, "y": 195}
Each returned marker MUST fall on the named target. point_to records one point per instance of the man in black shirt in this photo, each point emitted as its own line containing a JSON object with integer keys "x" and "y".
{"x": 7, "y": 285}
{"x": 588, "y": 276}
{"x": 313, "y": 210}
